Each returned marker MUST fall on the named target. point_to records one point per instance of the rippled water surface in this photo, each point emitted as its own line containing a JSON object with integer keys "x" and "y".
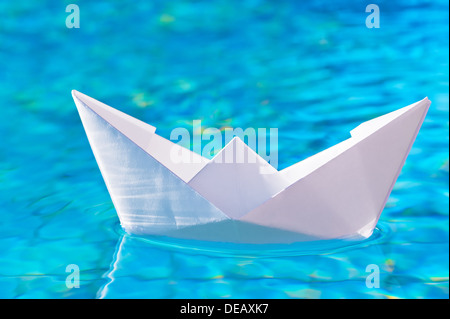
{"x": 313, "y": 70}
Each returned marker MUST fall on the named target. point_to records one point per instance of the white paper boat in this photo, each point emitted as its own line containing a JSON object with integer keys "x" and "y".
{"x": 337, "y": 193}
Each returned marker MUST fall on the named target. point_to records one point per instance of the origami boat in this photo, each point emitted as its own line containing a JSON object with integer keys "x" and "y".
{"x": 337, "y": 193}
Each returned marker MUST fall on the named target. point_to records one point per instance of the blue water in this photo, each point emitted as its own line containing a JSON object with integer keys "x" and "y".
{"x": 310, "y": 68}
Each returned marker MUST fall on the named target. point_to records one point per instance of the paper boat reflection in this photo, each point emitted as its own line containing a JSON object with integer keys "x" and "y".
{"x": 337, "y": 193}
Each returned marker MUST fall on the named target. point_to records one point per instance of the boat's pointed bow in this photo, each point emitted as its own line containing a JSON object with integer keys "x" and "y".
{"x": 370, "y": 127}
{"x": 75, "y": 96}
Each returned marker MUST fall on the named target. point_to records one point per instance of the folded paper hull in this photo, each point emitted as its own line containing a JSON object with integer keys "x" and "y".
{"x": 337, "y": 193}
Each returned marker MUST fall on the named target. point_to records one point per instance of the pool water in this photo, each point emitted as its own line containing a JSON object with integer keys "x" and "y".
{"x": 313, "y": 70}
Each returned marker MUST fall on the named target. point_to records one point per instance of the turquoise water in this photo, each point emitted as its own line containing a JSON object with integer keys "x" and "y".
{"x": 313, "y": 70}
